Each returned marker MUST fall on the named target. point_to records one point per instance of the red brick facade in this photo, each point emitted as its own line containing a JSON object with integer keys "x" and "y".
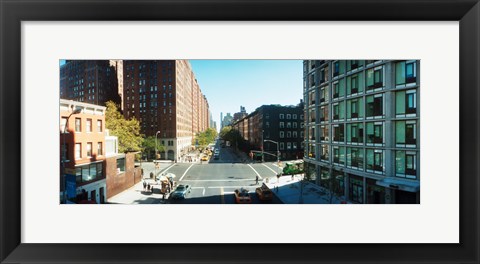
{"x": 119, "y": 182}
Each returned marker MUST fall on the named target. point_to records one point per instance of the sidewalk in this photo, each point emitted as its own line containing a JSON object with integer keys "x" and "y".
{"x": 137, "y": 194}
{"x": 289, "y": 191}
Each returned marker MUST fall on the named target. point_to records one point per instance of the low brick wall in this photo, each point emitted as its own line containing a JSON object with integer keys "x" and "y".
{"x": 117, "y": 183}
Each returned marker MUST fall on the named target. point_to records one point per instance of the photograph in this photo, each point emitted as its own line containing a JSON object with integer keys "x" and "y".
{"x": 239, "y": 131}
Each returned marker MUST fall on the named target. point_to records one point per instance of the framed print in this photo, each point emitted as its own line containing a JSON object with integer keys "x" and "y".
{"x": 395, "y": 59}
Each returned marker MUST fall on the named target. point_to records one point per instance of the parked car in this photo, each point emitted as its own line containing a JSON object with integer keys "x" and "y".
{"x": 264, "y": 193}
{"x": 242, "y": 196}
{"x": 180, "y": 192}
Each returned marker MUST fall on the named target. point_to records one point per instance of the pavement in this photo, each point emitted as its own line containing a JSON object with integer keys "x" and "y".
{"x": 137, "y": 194}
{"x": 293, "y": 190}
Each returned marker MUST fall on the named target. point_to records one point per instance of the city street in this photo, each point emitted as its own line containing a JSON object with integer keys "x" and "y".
{"x": 212, "y": 182}
{"x": 215, "y": 181}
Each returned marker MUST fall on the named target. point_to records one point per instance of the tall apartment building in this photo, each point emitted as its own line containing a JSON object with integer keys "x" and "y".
{"x": 164, "y": 96}
{"x": 89, "y": 81}
{"x": 118, "y": 67}
{"x": 362, "y": 128}
{"x": 281, "y": 124}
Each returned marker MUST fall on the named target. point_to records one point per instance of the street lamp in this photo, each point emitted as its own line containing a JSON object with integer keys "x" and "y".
{"x": 278, "y": 152}
{"x": 64, "y": 154}
{"x": 156, "y": 153}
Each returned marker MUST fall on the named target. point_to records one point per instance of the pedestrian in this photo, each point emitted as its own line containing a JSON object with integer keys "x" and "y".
{"x": 256, "y": 179}
{"x": 148, "y": 186}
{"x": 144, "y": 185}
{"x": 152, "y": 188}
{"x": 292, "y": 177}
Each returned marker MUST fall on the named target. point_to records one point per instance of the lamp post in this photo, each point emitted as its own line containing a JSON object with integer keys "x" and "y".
{"x": 64, "y": 154}
{"x": 278, "y": 152}
{"x": 156, "y": 153}
{"x": 263, "y": 159}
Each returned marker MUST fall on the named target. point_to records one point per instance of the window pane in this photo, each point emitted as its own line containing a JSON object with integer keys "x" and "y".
{"x": 400, "y": 132}
{"x": 400, "y": 73}
{"x": 400, "y": 102}
{"x": 400, "y": 162}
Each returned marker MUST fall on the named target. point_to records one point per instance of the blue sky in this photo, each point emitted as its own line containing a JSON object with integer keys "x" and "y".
{"x": 229, "y": 84}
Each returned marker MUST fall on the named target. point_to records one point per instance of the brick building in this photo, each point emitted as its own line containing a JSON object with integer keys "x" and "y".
{"x": 82, "y": 150}
{"x": 165, "y": 96}
{"x": 89, "y": 81}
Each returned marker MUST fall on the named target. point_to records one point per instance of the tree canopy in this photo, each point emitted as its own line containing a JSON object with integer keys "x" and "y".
{"x": 127, "y": 131}
{"x": 206, "y": 137}
{"x": 148, "y": 146}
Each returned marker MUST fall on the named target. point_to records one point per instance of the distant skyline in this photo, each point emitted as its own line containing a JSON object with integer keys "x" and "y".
{"x": 229, "y": 84}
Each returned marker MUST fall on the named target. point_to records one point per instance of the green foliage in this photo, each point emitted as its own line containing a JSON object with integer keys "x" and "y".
{"x": 206, "y": 137}
{"x": 148, "y": 147}
{"x": 127, "y": 131}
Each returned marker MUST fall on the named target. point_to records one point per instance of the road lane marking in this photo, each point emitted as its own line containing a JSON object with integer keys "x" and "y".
{"x": 185, "y": 172}
{"x": 230, "y": 187}
{"x": 222, "y": 197}
{"x": 258, "y": 174}
{"x": 203, "y": 193}
{"x": 270, "y": 169}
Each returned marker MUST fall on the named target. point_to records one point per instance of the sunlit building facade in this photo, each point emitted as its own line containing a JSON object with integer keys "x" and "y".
{"x": 362, "y": 128}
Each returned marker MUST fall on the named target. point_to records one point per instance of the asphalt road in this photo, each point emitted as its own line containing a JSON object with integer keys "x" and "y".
{"x": 215, "y": 181}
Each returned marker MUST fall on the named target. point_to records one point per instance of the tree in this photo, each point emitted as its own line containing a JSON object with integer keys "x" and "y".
{"x": 148, "y": 147}
{"x": 205, "y": 137}
{"x": 127, "y": 131}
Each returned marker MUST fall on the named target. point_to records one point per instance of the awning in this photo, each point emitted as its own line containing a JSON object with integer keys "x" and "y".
{"x": 403, "y": 185}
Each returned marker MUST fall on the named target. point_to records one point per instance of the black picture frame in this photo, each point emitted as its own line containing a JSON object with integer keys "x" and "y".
{"x": 12, "y": 13}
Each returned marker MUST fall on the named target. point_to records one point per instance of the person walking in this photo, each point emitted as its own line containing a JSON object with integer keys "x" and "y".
{"x": 148, "y": 187}
{"x": 144, "y": 185}
{"x": 256, "y": 179}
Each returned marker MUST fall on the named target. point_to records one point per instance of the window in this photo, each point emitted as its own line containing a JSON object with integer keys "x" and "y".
{"x": 355, "y": 133}
{"x": 289, "y": 124}
{"x": 339, "y": 155}
{"x": 294, "y": 134}
{"x": 374, "y": 105}
{"x": 78, "y": 125}
{"x": 324, "y": 94}
{"x": 281, "y": 116}
{"x": 406, "y": 132}
{"x": 405, "y": 164}
{"x": 289, "y": 134}
{"x": 289, "y": 145}
{"x": 336, "y": 68}
{"x": 324, "y": 133}
{"x": 282, "y": 145}
{"x": 267, "y": 116}
{"x": 120, "y": 165}
{"x": 289, "y": 116}
{"x": 282, "y": 125}
{"x": 100, "y": 149}
{"x": 355, "y": 157}
{"x": 375, "y": 132}
{"x": 89, "y": 125}
{"x": 375, "y": 78}
{"x": 338, "y": 133}
{"x": 354, "y": 84}
{"x": 312, "y": 79}
{"x": 267, "y": 124}
{"x": 282, "y": 134}
{"x": 406, "y": 102}
{"x": 78, "y": 150}
{"x": 294, "y": 145}
{"x": 353, "y": 64}
{"x": 324, "y": 153}
{"x": 339, "y": 111}
{"x": 356, "y": 190}
{"x": 324, "y": 113}
{"x": 338, "y": 88}
{"x": 375, "y": 160}
{"x": 295, "y": 116}
{"x": 89, "y": 149}
{"x": 355, "y": 108}
{"x": 294, "y": 124}
{"x": 312, "y": 133}
{"x": 405, "y": 72}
